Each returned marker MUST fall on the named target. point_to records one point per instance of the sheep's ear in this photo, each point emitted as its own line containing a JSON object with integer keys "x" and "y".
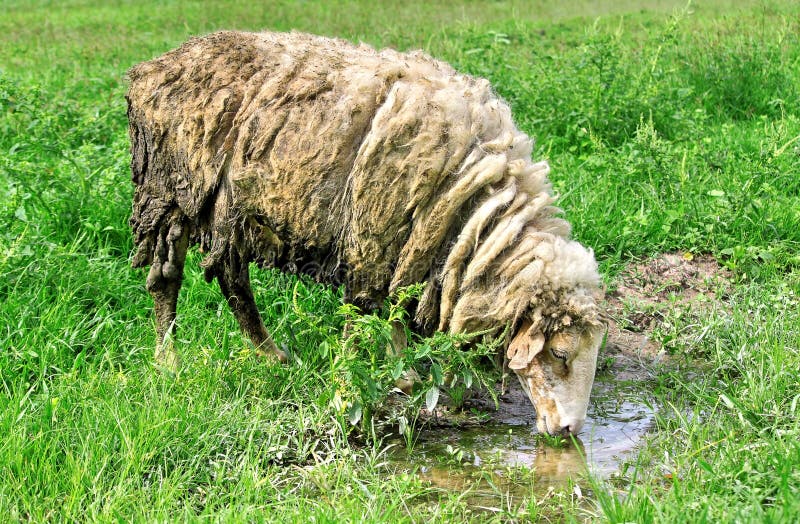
{"x": 525, "y": 346}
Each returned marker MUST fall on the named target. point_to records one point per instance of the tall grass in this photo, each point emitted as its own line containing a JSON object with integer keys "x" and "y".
{"x": 666, "y": 131}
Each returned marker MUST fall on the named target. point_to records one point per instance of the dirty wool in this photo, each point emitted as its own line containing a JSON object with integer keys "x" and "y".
{"x": 363, "y": 168}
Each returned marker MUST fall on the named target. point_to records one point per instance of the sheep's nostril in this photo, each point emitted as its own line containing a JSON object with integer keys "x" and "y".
{"x": 570, "y": 430}
{"x": 572, "y": 427}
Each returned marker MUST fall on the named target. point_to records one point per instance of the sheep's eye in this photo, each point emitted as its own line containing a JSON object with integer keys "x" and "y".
{"x": 560, "y": 355}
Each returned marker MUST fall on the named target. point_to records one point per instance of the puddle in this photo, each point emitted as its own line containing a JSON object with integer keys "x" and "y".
{"x": 505, "y": 455}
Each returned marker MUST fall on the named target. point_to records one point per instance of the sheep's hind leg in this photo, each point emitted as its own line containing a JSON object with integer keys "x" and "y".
{"x": 234, "y": 281}
{"x": 164, "y": 283}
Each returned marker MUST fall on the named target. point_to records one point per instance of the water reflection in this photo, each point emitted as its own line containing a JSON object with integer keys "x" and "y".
{"x": 482, "y": 458}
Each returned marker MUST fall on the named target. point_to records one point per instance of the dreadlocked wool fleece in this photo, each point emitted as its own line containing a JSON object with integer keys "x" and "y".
{"x": 372, "y": 169}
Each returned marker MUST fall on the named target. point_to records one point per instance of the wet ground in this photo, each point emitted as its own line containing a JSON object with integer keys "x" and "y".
{"x": 500, "y": 451}
{"x": 485, "y": 457}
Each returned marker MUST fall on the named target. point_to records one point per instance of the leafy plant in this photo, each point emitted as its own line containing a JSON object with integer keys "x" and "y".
{"x": 365, "y": 365}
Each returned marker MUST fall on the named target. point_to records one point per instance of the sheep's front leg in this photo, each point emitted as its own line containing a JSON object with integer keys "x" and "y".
{"x": 234, "y": 281}
{"x": 164, "y": 283}
{"x": 397, "y": 347}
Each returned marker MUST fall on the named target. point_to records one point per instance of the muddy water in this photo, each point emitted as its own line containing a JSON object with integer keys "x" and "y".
{"x": 487, "y": 459}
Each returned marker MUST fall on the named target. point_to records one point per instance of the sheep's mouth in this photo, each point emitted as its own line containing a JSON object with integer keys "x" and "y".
{"x": 541, "y": 413}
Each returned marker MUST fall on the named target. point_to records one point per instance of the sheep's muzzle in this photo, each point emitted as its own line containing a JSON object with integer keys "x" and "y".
{"x": 556, "y": 372}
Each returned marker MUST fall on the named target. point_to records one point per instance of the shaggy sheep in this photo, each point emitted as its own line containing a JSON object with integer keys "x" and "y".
{"x": 370, "y": 169}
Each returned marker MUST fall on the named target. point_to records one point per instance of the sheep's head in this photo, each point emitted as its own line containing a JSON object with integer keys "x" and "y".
{"x": 556, "y": 372}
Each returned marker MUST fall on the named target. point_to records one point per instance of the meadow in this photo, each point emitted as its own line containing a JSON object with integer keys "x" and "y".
{"x": 670, "y": 128}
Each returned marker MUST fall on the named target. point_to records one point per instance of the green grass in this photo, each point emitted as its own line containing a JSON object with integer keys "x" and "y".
{"x": 667, "y": 129}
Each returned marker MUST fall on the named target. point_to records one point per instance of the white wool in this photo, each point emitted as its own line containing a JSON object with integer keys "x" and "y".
{"x": 502, "y": 237}
{"x": 569, "y": 265}
{"x": 467, "y": 241}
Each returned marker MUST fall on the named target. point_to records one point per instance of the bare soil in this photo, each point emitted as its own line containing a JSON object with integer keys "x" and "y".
{"x": 645, "y": 290}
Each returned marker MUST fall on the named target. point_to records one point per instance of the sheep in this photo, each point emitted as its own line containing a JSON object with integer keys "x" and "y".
{"x": 368, "y": 169}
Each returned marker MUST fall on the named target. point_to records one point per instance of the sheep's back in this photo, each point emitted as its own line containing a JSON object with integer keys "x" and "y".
{"x": 334, "y": 146}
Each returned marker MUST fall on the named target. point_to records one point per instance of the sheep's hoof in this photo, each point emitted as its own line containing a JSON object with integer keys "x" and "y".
{"x": 166, "y": 358}
{"x": 406, "y": 381}
{"x": 270, "y": 351}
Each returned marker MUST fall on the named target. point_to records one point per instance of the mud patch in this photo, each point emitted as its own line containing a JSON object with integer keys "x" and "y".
{"x": 646, "y": 293}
